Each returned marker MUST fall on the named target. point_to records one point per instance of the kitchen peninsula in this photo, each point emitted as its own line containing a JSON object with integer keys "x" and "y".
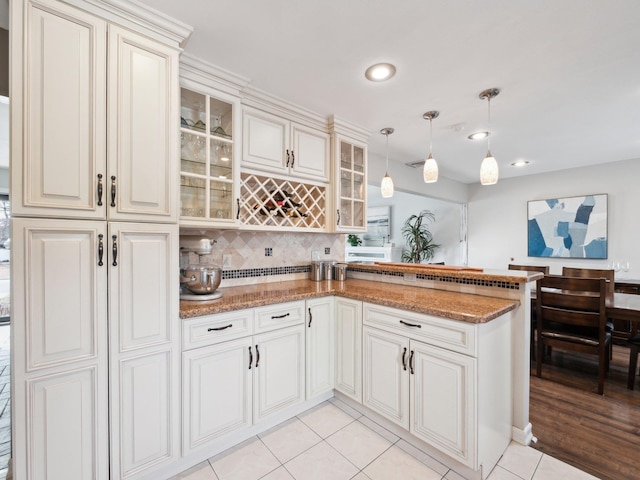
{"x": 434, "y": 355}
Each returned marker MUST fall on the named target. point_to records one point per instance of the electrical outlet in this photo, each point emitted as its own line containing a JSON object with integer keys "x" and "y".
{"x": 327, "y": 251}
{"x": 226, "y": 260}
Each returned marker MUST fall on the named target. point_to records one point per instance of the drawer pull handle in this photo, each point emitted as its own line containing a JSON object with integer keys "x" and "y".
{"x": 293, "y": 158}
{"x": 257, "y": 356}
{"x": 280, "y": 316}
{"x": 100, "y": 250}
{"x": 100, "y": 189}
{"x": 250, "y": 357}
{"x": 310, "y": 317}
{"x": 238, "y": 209}
{"x": 404, "y": 361}
{"x": 411, "y": 362}
{"x": 410, "y": 324}
{"x": 219, "y": 328}
{"x": 288, "y": 158}
{"x": 338, "y": 217}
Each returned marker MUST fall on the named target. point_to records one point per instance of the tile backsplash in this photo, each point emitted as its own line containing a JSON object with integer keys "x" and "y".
{"x": 246, "y": 259}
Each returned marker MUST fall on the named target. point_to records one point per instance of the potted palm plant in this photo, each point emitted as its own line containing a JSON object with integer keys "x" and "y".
{"x": 419, "y": 240}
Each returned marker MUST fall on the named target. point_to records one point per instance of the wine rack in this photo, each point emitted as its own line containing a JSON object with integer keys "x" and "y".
{"x": 272, "y": 202}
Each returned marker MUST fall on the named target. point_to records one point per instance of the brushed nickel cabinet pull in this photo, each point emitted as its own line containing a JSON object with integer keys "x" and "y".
{"x": 217, "y": 329}
{"x": 338, "y": 219}
{"x": 410, "y": 324}
{"x": 114, "y": 250}
{"x": 113, "y": 190}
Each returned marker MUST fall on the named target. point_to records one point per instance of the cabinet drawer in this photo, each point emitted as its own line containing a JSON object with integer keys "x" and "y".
{"x": 211, "y": 329}
{"x": 441, "y": 332}
{"x": 279, "y": 315}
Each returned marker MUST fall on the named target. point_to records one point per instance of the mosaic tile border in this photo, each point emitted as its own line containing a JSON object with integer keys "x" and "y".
{"x": 264, "y": 272}
{"x": 444, "y": 279}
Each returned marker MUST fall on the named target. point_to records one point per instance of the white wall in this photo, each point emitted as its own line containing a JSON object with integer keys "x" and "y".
{"x": 445, "y": 229}
{"x": 497, "y": 231}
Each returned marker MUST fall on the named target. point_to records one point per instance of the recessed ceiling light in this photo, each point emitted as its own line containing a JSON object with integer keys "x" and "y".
{"x": 478, "y": 135}
{"x": 520, "y": 163}
{"x": 380, "y": 72}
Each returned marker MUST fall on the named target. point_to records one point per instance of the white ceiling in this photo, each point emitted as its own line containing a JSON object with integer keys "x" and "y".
{"x": 569, "y": 71}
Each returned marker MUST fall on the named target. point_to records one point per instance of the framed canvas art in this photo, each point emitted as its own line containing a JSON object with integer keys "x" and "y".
{"x": 571, "y": 227}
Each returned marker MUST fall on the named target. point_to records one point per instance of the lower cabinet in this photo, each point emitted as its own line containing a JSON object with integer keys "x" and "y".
{"x": 231, "y": 383}
{"x": 320, "y": 340}
{"x": 348, "y": 347}
{"x": 456, "y": 399}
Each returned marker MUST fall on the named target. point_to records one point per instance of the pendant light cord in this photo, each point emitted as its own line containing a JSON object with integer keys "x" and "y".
{"x": 387, "y": 135}
{"x": 430, "y": 136}
{"x": 489, "y": 125}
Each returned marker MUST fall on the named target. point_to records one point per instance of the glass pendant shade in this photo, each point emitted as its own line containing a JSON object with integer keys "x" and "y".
{"x": 386, "y": 187}
{"x": 430, "y": 171}
{"x": 489, "y": 170}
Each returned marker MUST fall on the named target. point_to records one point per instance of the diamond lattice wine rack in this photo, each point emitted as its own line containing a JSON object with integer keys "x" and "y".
{"x": 272, "y": 202}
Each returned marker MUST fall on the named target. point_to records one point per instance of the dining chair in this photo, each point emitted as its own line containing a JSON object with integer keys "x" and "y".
{"x": 571, "y": 316}
{"x": 620, "y": 329}
{"x": 531, "y": 268}
{"x": 634, "y": 345}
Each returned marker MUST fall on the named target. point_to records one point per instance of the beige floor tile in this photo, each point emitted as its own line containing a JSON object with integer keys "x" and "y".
{"x": 552, "y": 469}
{"x": 278, "y": 474}
{"x": 521, "y": 460}
{"x": 321, "y": 463}
{"x": 202, "y": 471}
{"x": 359, "y": 444}
{"x": 380, "y": 430}
{"x": 396, "y": 463}
{"x": 500, "y": 473}
{"x": 451, "y": 475}
{"x": 289, "y": 439}
{"x": 345, "y": 408}
{"x": 250, "y": 460}
{"x": 326, "y": 419}
{"x": 361, "y": 476}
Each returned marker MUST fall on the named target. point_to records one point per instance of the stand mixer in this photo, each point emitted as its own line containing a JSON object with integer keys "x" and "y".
{"x": 199, "y": 281}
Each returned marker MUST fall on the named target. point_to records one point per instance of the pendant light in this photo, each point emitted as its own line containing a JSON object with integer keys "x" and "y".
{"x": 489, "y": 168}
{"x": 386, "y": 186}
{"x": 430, "y": 171}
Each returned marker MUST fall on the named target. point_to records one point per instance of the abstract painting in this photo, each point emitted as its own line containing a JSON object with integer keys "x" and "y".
{"x": 573, "y": 227}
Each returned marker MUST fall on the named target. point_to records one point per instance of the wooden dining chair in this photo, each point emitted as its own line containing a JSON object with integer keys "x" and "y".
{"x": 531, "y": 268}
{"x": 571, "y": 315}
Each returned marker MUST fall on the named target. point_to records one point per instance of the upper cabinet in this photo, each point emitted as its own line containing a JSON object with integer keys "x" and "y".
{"x": 72, "y": 59}
{"x": 276, "y": 145}
{"x": 208, "y": 158}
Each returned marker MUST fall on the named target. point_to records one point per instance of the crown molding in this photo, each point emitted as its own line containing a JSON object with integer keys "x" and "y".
{"x": 211, "y": 76}
{"x": 340, "y": 125}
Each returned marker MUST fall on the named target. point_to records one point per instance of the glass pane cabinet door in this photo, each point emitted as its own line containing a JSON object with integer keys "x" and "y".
{"x": 207, "y": 159}
{"x": 351, "y": 200}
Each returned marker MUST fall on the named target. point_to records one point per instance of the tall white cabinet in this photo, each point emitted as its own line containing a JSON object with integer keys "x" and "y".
{"x": 95, "y": 295}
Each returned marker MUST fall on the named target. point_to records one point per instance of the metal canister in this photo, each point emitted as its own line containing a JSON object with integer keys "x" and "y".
{"x": 317, "y": 271}
{"x": 340, "y": 272}
{"x": 329, "y": 268}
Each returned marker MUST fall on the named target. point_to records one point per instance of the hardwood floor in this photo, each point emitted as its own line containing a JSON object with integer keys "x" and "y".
{"x": 597, "y": 434}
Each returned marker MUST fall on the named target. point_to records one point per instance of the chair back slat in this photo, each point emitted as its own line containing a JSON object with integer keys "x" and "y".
{"x": 592, "y": 273}
{"x": 530, "y": 268}
{"x": 572, "y": 317}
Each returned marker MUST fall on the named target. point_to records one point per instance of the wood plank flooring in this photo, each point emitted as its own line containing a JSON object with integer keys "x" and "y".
{"x": 597, "y": 434}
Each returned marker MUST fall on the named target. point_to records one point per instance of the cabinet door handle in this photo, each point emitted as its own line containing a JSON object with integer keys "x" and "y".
{"x": 113, "y": 190}
{"x": 404, "y": 360}
{"x": 257, "y": 356}
{"x": 217, "y": 329}
{"x": 273, "y": 317}
{"x": 114, "y": 250}
{"x": 310, "y": 317}
{"x": 288, "y": 158}
{"x": 410, "y": 324}
{"x": 100, "y": 250}
{"x": 250, "y": 357}
{"x": 100, "y": 191}
{"x": 411, "y": 362}
{"x": 238, "y": 211}
{"x": 338, "y": 219}
{"x": 293, "y": 158}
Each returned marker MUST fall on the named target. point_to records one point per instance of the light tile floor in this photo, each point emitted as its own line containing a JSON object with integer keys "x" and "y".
{"x": 334, "y": 442}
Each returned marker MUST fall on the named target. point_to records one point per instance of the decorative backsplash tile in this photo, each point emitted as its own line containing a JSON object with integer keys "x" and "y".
{"x": 245, "y": 252}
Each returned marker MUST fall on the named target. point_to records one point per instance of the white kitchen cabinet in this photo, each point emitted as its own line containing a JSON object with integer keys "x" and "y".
{"x": 144, "y": 347}
{"x": 320, "y": 342}
{"x": 385, "y": 375}
{"x": 240, "y": 368}
{"x": 276, "y": 145}
{"x": 73, "y": 94}
{"x": 448, "y": 383}
{"x": 59, "y": 310}
{"x": 348, "y": 347}
{"x": 350, "y": 180}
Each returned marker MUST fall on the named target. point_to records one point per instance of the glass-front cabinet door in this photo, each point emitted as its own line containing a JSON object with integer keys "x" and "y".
{"x": 351, "y": 209}
{"x": 208, "y": 174}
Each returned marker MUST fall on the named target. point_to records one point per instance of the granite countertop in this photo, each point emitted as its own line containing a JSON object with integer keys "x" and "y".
{"x": 442, "y": 303}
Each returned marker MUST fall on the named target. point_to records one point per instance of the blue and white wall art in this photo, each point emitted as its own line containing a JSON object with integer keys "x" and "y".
{"x": 574, "y": 227}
